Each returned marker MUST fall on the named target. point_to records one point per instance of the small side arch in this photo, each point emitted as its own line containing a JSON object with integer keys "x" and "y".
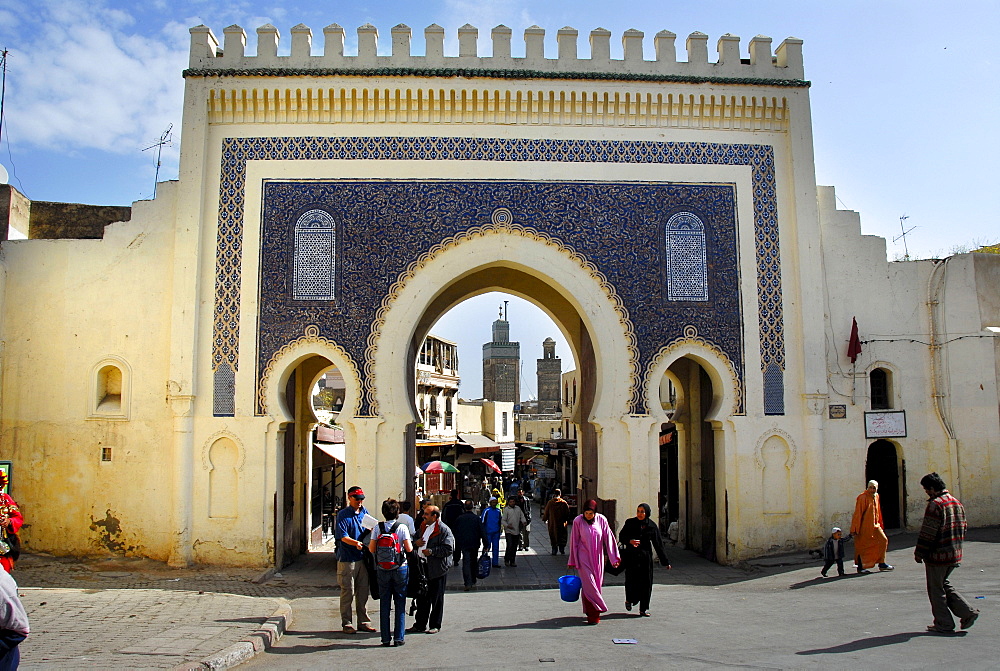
{"x": 727, "y": 397}
{"x": 224, "y": 457}
{"x": 110, "y": 389}
{"x": 271, "y": 400}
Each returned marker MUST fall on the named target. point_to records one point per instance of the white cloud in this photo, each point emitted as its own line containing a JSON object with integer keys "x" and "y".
{"x": 84, "y": 76}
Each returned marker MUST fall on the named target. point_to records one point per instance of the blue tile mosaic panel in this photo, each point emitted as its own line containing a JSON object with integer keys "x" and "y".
{"x": 386, "y": 225}
{"x": 759, "y": 158}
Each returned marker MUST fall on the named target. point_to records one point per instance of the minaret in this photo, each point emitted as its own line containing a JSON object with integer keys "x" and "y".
{"x": 549, "y": 373}
{"x": 502, "y": 363}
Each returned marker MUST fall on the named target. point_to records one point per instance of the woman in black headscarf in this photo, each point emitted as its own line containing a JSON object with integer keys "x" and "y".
{"x": 640, "y": 538}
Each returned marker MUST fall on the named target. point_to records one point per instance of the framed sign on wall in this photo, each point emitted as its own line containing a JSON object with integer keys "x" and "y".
{"x": 890, "y": 424}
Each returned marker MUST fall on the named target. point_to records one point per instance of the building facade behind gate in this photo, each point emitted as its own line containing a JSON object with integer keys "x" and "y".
{"x": 662, "y": 208}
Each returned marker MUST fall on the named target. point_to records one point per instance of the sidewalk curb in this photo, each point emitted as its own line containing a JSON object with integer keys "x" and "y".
{"x": 251, "y": 645}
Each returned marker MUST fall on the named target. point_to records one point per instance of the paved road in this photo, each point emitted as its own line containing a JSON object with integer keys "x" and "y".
{"x": 773, "y": 617}
{"x": 137, "y": 614}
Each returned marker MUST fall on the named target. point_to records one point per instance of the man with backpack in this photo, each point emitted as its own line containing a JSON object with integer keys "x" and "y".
{"x": 390, "y": 542}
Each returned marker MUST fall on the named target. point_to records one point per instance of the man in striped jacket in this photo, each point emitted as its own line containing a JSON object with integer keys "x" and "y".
{"x": 939, "y": 548}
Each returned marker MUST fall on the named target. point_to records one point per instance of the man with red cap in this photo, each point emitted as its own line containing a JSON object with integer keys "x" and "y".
{"x": 352, "y": 576}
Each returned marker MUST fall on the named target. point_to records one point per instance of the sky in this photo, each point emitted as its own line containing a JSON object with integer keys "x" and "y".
{"x": 904, "y": 95}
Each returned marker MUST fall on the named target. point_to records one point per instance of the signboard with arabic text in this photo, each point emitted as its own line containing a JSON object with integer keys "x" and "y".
{"x": 888, "y": 424}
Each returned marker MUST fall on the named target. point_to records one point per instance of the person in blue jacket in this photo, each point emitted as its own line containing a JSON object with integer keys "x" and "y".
{"x": 491, "y": 522}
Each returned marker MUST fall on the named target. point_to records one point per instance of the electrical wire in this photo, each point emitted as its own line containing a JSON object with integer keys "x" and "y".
{"x": 3, "y": 85}
{"x": 3, "y": 96}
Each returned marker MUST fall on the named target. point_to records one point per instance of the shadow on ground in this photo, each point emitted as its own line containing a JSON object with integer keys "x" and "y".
{"x": 875, "y": 642}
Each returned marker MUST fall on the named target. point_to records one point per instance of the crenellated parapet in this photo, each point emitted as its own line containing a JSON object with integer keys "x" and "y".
{"x": 727, "y": 65}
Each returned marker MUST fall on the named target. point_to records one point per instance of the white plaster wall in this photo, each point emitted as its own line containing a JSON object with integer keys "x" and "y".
{"x": 67, "y": 305}
{"x": 889, "y": 301}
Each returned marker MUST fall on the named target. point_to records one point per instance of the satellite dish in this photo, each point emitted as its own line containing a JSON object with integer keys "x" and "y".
{"x": 3, "y": 174}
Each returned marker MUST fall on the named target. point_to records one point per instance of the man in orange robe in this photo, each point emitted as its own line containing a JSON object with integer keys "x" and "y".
{"x": 870, "y": 542}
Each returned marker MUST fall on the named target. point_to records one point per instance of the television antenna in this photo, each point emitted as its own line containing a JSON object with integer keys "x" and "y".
{"x": 902, "y": 236}
{"x": 165, "y": 139}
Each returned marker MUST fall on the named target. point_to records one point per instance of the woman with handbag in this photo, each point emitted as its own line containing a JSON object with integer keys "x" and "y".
{"x": 10, "y": 524}
{"x": 639, "y": 539}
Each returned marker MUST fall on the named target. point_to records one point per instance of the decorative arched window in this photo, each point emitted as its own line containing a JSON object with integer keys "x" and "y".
{"x": 315, "y": 256}
{"x": 687, "y": 259}
{"x": 880, "y": 386}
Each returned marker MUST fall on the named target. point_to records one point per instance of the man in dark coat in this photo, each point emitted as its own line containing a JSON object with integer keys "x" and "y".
{"x": 522, "y": 502}
{"x": 450, "y": 513}
{"x": 435, "y": 542}
{"x": 469, "y": 533}
{"x": 556, "y": 517}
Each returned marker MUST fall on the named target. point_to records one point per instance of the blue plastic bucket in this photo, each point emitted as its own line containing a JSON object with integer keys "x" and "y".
{"x": 569, "y": 587}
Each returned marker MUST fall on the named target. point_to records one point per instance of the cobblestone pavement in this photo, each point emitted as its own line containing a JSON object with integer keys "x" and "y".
{"x": 135, "y": 613}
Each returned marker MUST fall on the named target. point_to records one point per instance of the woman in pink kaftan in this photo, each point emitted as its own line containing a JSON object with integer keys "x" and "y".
{"x": 589, "y": 540}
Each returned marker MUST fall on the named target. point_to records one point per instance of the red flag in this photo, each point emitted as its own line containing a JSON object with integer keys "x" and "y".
{"x": 854, "y": 346}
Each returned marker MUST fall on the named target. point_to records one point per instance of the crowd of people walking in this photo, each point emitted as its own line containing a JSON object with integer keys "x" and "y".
{"x": 410, "y": 557}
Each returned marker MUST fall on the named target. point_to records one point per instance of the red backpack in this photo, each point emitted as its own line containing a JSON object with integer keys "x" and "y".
{"x": 388, "y": 552}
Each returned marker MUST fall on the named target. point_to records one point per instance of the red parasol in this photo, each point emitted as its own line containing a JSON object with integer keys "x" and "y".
{"x": 491, "y": 464}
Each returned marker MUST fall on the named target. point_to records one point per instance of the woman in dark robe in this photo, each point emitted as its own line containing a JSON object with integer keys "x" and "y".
{"x": 640, "y": 539}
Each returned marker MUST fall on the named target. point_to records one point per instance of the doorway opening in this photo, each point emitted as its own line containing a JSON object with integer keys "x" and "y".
{"x": 885, "y": 467}
{"x": 689, "y": 475}
{"x": 530, "y": 337}
{"x": 312, "y": 488}
{"x": 669, "y": 498}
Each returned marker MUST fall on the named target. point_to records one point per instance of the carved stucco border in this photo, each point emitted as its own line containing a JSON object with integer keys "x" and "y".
{"x": 691, "y": 337}
{"x": 500, "y": 224}
{"x": 758, "y": 458}
{"x": 310, "y": 336}
{"x": 206, "y": 462}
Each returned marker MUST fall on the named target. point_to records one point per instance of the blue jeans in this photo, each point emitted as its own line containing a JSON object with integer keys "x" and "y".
{"x": 392, "y": 594}
{"x": 494, "y": 538}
